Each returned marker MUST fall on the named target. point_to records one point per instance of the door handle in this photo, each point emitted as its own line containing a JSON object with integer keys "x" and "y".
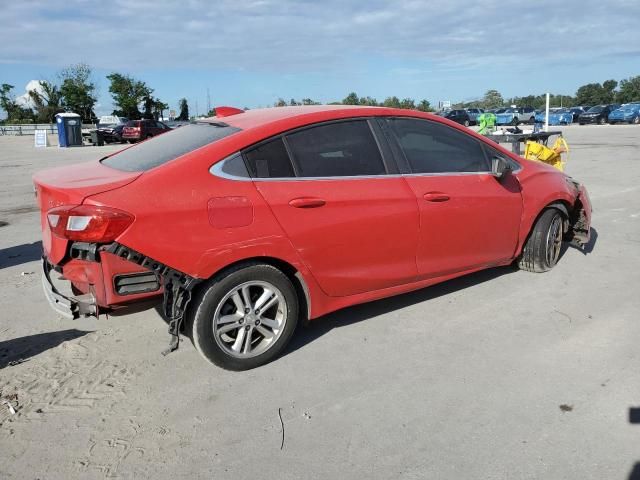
{"x": 436, "y": 197}
{"x": 307, "y": 202}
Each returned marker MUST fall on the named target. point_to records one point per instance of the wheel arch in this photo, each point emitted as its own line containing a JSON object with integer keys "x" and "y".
{"x": 293, "y": 274}
{"x": 561, "y": 205}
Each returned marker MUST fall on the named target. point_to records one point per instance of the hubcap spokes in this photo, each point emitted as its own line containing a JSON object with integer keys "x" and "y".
{"x": 249, "y": 319}
{"x": 554, "y": 240}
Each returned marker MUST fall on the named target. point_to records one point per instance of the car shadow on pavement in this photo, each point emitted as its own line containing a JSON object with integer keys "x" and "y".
{"x": 18, "y": 350}
{"x": 19, "y": 254}
{"x": 350, "y": 315}
{"x": 634, "y": 418}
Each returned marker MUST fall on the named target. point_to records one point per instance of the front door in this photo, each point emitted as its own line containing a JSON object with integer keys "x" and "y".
{"x": 468, "y": 218}
{"x": 354, "y": 226}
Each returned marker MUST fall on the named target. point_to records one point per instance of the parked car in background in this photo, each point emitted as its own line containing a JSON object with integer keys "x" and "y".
{"x": 629, "y": 113}
{"x": 540, "y": 116}
{"x": 598, "y": 114}
{"x": 474, "y": 113}
{"x": 459, "y": 116}
{"x": 514, "y": 116}
{"x": 112, "y": 132}
{"x": 223, "y": 215}
{"x": 577, "y": 111}
{"x": 137, "y": 130}
{"x": 559, "y": 116}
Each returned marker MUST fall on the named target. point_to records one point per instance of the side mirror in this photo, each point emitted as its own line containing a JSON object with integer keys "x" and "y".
{"x": 500, "y": 167}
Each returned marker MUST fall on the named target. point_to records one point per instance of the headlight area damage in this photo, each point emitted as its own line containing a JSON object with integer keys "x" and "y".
{"x": 177, "y": 286}
{"x": 579, "y": 232}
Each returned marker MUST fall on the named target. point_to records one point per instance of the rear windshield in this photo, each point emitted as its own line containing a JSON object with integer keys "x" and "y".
{"x": 168, "y": 146}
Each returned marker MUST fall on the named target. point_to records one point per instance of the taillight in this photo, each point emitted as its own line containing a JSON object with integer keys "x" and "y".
{"x": 88, "y": 223}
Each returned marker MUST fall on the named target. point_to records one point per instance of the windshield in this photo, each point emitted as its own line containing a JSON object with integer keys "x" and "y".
{"x": 596, "y": 109}
{"x": 168, "y": 146}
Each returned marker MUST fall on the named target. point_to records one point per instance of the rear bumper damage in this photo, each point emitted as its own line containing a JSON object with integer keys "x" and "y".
{"x": 70, "y": 306}
{"x": 118, "y": 273}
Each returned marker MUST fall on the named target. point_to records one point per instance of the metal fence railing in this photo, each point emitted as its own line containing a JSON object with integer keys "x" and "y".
{"x": 30, "y": 128}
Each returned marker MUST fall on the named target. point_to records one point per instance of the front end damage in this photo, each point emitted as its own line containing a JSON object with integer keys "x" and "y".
{"x": 579, "y": 232}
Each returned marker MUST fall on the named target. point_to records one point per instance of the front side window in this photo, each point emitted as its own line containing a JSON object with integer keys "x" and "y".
{"x": 430, "y": 147}
{"x": 336, "y": 150}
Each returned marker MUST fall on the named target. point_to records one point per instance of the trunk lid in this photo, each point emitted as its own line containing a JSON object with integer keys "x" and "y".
{"x": 70, "y": 185}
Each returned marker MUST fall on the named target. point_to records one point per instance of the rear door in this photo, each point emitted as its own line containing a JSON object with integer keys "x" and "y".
{"x": 350, "y": 216}
{"x": 468, "y": 218}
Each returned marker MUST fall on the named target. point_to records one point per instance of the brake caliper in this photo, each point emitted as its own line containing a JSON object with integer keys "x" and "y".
{"x": 177, "y": 289}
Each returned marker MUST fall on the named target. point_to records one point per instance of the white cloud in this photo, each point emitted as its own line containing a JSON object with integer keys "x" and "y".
{"x": 24, "y": 100}
{"x": 302, "y": 36}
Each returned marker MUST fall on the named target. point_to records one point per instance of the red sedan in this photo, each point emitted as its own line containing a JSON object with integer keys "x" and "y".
{"x": 251, "y": 222}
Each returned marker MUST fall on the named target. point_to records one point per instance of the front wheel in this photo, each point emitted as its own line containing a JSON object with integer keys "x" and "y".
{"x": 466, "y": 123}
{"x": 601, "y": 121}
{"x": 636, "y": 120}
{"x": 245, "y": 318}
{"x": 542, "y": 249}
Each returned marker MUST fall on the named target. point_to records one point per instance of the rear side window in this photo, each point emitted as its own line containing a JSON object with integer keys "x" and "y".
{"x": 336, "y": 150}
{"x": 269, "y": 160}
{"x": 433, "y": 148}
{"x": 168, "y": 146}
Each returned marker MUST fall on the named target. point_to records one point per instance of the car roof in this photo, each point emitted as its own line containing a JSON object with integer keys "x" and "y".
{"x": 301, "y": 115}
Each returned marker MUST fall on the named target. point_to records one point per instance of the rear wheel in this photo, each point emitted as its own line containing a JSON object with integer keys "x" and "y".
{"x": 542, "y": 250}
{"x": 636, "y": 120}
{"x": 466, "y": 123}
{"x": 245, "y": 318}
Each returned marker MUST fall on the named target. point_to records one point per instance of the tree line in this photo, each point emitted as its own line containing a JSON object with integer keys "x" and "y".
{"x": 353, "y": 99}
{"x": 609, "y": 91}
{"x": 76, "y": 91}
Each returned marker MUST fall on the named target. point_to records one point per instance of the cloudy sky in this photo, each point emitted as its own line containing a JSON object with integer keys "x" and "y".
{"x": 249, "y": 53}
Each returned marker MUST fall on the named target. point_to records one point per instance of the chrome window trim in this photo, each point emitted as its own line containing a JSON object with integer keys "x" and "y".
{"x": 216, "y": 170}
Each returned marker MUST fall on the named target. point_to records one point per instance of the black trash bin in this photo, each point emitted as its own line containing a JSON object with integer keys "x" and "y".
{"x": 97, "y": 138}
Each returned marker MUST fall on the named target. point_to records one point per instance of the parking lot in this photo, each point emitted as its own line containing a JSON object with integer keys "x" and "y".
{"x": 500, "y": 374}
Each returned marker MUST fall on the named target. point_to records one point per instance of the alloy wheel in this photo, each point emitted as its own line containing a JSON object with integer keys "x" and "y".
{"x": 249, "y": 319}
{"x": 554, "y": 241}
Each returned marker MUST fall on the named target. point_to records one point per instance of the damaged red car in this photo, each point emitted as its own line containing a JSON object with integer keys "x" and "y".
{"x": 248, "y": 223}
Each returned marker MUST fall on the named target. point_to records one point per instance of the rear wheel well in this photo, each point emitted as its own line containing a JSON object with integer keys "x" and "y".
{"x": 289, "y": 270}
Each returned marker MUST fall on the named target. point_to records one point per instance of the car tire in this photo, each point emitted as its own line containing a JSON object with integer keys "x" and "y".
{"x": 532, "y": 119}
{"x": 601, "y": 121}
{"x": 466, "y": 123}
{"x": 636, "y": 121}
{"x": 515, "y": 122}
{"x": 542, "y": 249}
{"x": 224, "y": 312}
